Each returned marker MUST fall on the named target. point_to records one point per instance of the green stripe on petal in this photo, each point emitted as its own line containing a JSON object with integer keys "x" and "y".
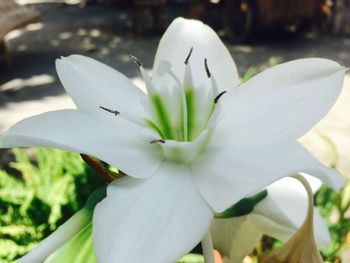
{"x": 78, "y": 250}
{"x": 190, "y": 97}
{"x": 181, "y": 126}
{"x": 163, "y": 116}
{"x": 155, "y": 128}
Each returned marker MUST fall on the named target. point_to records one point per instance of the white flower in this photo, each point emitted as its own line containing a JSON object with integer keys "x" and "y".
{"x": 197, "y": 149}
{"x": 279, "y": 215}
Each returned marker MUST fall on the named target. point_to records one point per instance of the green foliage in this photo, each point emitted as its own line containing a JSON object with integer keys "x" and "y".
{"x": 334, "y": 207}
{"x": 250, "y": 72}
{"x": 49, "y": 188}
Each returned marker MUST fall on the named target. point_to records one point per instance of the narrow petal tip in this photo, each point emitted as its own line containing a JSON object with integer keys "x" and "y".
{"x": 59, "y": 61}
{"x": 61, "y": 58}
{"x": 185, "y": 20}
{"x": 70, "y": 58}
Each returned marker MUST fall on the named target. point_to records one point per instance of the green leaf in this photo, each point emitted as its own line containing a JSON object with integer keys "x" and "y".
{"x": 244, "y": 206}
{"x": 250, "y": 72}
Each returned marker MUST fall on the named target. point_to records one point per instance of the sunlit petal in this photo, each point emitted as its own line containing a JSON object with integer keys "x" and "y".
{"x": 226, "y": 173}
{"x": 109, "y": 138}
{"x": 175, "y": 45}
{"x": 155, "y": 220}
{"x": 283, "y": 102}
{"x": 92, "y": 84}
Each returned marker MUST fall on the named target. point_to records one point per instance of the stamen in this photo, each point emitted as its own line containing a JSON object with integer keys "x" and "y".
{"x": 188, "y": 56}
{"x": 206, "y": 67}
{"x": 219, "y": 96}
{"x": 148, "y": 82}
{"x": 214, "y": 85}
{"x": 172, "y": 74}
{"x": 115, "y": 112}
{"x": 165, "y": 68}
{"x": 146, "y": 78}
{"x": 157, "y": 141}
{"x": 136, "y": 61}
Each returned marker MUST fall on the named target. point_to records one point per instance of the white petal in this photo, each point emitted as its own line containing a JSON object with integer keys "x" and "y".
{"x": 284, "y": 101}
{"x": 109, "y": 138}
{"x": 64, "y": 233}
{"x": 152, "y": 220}
{"x": 283, "y": 211}
{"x": 181, "y": 35}
{"x": 92, "y": 84}
{"x": 227, "y": 173}
{"x": 234, "y": 237}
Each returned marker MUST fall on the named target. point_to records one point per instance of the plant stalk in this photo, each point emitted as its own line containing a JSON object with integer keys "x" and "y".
{"x": 208, "y": 249}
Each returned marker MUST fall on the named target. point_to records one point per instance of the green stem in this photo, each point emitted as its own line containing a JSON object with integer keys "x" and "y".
{"x": 208, "y": 249}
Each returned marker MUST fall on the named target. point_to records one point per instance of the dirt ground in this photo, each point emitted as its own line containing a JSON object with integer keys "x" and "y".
{"x": 30, "y": 86}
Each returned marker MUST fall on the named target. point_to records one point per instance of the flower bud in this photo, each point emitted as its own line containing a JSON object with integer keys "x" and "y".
{"x": 301, "y": 247}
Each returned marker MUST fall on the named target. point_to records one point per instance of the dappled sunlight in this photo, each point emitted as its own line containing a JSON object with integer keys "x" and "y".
{"x": 95, "y": 33}
{"x": 17, "y": 84}
{"x": 14, "y": 112}
{"x": 34, "y": 26}
{"x": 65, "y": 35}
{"x": 19, "y": 32}
{"x": 244, "y": 49}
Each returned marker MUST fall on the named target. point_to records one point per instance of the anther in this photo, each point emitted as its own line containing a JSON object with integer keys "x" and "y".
{"x": 219, "y": 96}
{"x": 136, "y": 61}
{"x": 115, "y": 112}
{"x": 188, "y": 56}
{"x": 207, "y": 68}
{"x": 157, "y": 141}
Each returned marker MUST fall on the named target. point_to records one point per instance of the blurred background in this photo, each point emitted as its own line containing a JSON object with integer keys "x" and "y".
{"x": 41, "y": 188}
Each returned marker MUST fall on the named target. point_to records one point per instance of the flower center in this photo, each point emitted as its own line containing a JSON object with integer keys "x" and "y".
{"x": 182, "y": 112}
{"x": 183, "y": 115}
